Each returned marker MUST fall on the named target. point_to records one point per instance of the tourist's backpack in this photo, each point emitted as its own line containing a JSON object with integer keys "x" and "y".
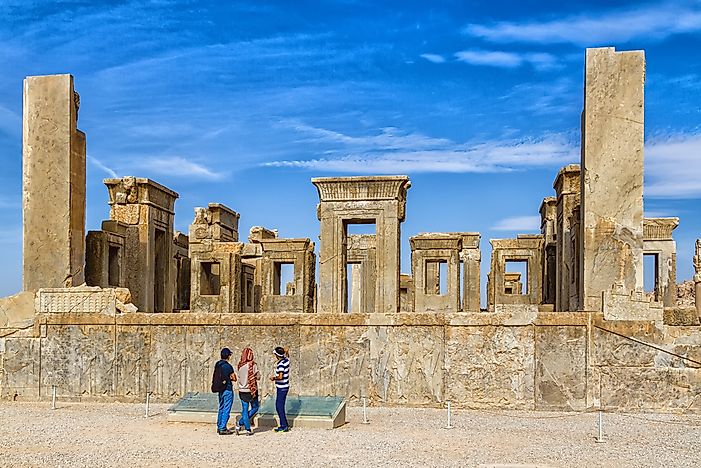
{"x": 218, "y": 380}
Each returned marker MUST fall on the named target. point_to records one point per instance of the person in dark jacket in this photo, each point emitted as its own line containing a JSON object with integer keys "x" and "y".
{"x": 223, "y": 376}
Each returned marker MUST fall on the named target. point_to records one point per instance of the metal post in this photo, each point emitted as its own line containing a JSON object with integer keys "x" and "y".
{"x": 449, "y": 426}
{"x": 365, "y": 411}
{"x": 53, "y": 397}
{"x": 600, "y": 439}
{"x": 148, "y": 401}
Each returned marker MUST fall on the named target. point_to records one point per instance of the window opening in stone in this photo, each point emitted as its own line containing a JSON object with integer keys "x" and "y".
{"x": 284, "y": 274}
{"x": 249, "y": 293}
{"x": 436, "y": 280}
{"x": 113, "y": 266}
{"x": 354, "y": 275}
{"x": 651, "y": 274}
{"x": 516, "y": 277}
{"x": 183, "y": 279}
{"x": 160, "y": 270}
{"x": 210, "y": 275}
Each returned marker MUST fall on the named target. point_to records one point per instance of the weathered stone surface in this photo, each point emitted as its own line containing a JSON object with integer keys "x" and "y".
{"x": 53, "y": 178}
{"x": 336, "y": 361}
{"x": 612, "y": 173}
{"x": 79, "y": 360}
{"x": 19, "y": 368}
{"x": 132, "y": 361}
{"x": 405, "y": 365}
{"x": 680, "y": 315}
{"x": 560, "y": 377}
{"x": 620, "y": 305}
{"x": 85, "y": 299}
{"x": 650, "y": 389}
{"x": 490, "y": 367}
{"x": 17, "y": 311}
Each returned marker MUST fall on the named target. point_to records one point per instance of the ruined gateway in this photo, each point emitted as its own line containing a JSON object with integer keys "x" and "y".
{"x": 136, "y": 307}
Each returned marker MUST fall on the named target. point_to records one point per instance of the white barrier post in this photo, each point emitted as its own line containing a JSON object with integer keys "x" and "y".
{"x": 449, "y": 426}
{"x": 365, "y": 411}
{"x": 148, "y": 398}
{"x": 600, "y": 439}
{"x": 53, "y": 397}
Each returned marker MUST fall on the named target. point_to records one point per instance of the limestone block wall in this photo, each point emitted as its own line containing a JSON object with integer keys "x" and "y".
{"x": 520, "y": 360}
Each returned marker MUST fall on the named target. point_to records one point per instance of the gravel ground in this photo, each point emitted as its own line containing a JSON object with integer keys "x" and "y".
{"x": 115, "y": 434}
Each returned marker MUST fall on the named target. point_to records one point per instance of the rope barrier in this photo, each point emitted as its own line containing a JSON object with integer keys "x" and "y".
{"x": 635, "y": 340}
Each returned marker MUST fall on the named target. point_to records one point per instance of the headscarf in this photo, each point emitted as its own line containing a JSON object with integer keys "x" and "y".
{"x": 247, "y": 358}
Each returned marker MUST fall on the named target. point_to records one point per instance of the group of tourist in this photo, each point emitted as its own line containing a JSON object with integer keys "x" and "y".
{"x": 246, "y": 377}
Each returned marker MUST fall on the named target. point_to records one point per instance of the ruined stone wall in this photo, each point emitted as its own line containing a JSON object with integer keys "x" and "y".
{"x": 543, "y": 361}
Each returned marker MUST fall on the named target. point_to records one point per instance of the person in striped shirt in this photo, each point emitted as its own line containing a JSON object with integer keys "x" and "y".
{"x": 282, "y": 385}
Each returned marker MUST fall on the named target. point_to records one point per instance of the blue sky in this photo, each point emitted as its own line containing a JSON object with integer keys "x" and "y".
{"x": 242, "y": 103}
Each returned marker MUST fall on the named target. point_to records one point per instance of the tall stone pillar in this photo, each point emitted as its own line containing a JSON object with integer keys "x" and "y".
{"x": 548, "y": 215}
{"x": 53, "y": 177}
{"x": 471, "y": 258}
{"x": 359, "y": 200}
{"x": 697, "y": 277}
{"x": 612, "y": 174}
{"x": 567, "y": 186}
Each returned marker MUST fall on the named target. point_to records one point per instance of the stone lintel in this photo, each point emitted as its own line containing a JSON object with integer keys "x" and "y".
{"x": 659, "y": 228}
{"x": 436, "y": 241}
{"x": 222, "y": 214}
{"x": 567, "y": 180}
{"x": 181, "y": 240}
{"x": 362, "y": 188}
{"x": 259, "y": 233}
{"x": 521, "y": 242}
{"x": 300, "y": 244}
{"x": 139, "y": 190}
{"x": 115, "y": 227}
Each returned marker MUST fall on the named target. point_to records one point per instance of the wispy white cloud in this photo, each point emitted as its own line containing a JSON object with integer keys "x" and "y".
{"x": 673, "y": 167}
{"x": 497, "y": 58}
{"x": 435, "y": 58}
{"x": 393, "y": 151}
{"x": 97, "y": 163}
{"x": 652, "y": 22}
{"x": 518, "y": 223}
{"x": 177, "y": 166}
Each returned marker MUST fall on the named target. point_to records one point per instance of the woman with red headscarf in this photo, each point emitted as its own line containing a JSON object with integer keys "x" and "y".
{"x": 247, "y": 377}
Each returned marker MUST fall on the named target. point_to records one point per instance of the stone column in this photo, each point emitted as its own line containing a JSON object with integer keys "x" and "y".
{"x": 567, "y": 186}
{"x": 697, "y": 277}
{"x": 612, "y": 174}
{"x": 548, "y": 215}
{"x": 471, "y": 258}
{"x": 53, "y": 177}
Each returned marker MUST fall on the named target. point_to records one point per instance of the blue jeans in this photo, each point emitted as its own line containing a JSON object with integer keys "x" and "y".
{"x": 226, "y": 399}
{"x": 280, "y": 399}
{"x": 247, "y": 414}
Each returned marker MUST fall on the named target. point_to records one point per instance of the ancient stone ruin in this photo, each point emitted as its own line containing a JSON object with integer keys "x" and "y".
{"x": 137, "y": 307}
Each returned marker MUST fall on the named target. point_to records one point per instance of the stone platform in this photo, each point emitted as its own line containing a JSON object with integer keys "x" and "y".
{"x": 302, "y": 411}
